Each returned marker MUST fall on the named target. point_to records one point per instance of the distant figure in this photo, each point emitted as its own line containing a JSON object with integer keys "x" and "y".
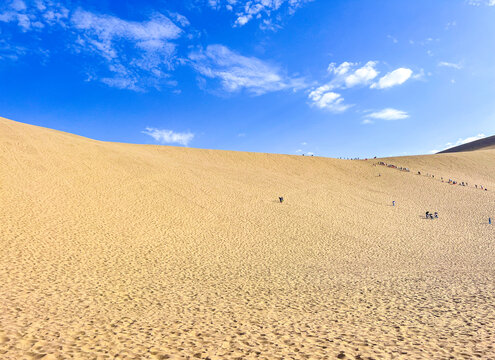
{"x": 419, "y": 172}
{"x": 427, "y": 214}
{"x": 393, "y": 203}
{"x": 490, "y": 221}
{"x": 436, "y": 215}
{"x": 476, "y": 186}
{"x": 281, "y": 199}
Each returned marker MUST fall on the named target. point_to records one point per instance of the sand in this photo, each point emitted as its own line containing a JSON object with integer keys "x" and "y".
{"x": 112, "y": 250}
{"x": 481, "y": 144}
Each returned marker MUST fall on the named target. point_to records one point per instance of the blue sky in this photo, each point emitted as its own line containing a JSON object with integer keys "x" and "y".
{"x": 338, "y": 78}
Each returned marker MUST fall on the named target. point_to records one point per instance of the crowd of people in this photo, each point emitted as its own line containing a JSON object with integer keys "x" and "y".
{"x": 392, "y": 166}
{"x": 430, "y": 215}
{"x": 451, "y": 181}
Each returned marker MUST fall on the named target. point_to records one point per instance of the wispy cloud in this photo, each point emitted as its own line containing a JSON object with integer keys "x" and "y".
{"x": 149, "y": 48}
{"x": 264, "y": 10}
{"x": 393, "y": 38}
{"x": 34, "y": 15}
{"x": 450, "y": 65}
{"x": 165, "y": 136}
{"x": 132, "y": 55}
{"x": 11, "y": 52}
{"x": 393, "y": 78}
{"x": 388, "y": 114}
{"x": 481, "y": 2}
{"x": 237, "y": 72}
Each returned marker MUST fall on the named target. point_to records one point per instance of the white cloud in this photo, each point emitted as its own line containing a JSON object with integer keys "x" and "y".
{"x": 394, "y": 78}
{"x": 36, "y": 15}
{"x": 389, "y": 114}
{"x": 135, "y": 54}
{"x": 481, "y": 2}
{"x": 109, "y": 28}
{"x": 247, "y": 10}
{"x": 243, "y": 20}
{"x": 349, "y": 75}
{"x": 168, "y": 136}
{"x": 138, "y": 54}
{"x": 236, "y": 72}
{"x": 362, "y": 76}
{"x": 420, "y": 75}
{"x": 122, "y": 81}
{"x": 342, "y": 69}
{"x": 346, "y": 74}
{"x": 18, "y": 5}
{"x": 367, "y": 122}
{"x": 324, "y": 98}
{"x": 450, "y": 65}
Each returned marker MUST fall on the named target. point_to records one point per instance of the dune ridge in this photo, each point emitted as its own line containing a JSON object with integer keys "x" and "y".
{"x": 481, "y": 144}
{"x": 113, "y": 250}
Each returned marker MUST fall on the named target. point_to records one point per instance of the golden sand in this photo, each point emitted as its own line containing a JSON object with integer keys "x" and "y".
{"x": 114, "y": 250}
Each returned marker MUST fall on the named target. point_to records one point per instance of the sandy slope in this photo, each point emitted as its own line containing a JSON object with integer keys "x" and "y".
{"x": 115, "y": 250}
{"x": 481, "y": 144}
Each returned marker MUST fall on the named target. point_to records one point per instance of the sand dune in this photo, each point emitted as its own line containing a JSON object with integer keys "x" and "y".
{"x": 130, "y": 251}
{"x": 481, "y": 144}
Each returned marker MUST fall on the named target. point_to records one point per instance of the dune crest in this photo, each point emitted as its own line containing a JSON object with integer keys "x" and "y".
{"x": 137, "y": 251}
{"x": 481, "y": 144}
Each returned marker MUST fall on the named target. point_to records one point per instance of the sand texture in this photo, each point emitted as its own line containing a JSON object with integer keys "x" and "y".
{"x": 113, "y": 250}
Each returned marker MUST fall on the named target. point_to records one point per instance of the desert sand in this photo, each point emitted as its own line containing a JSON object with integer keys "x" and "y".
{"x": 481, "y": 144}
{"x": 112, "y": 250}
